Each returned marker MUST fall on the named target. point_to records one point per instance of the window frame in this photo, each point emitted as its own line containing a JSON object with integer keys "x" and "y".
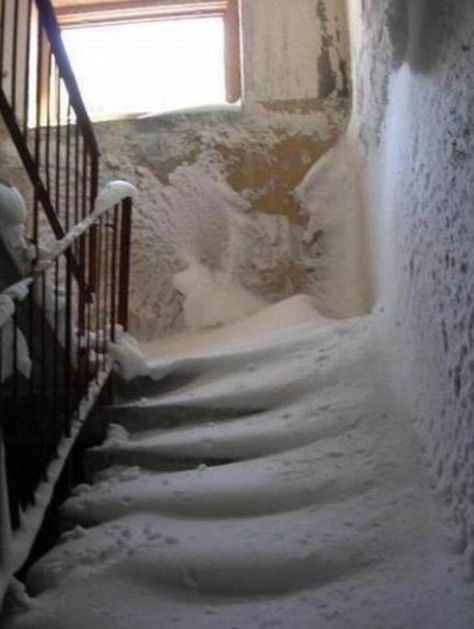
{"x": 77, "y": 13}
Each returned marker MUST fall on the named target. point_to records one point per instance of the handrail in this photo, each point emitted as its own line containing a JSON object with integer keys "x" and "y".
{"x": 44, "y": 112}
{"x": 65, "y": 312}
{"x": 51, "y": 27}
{"x": 66, "y": 337}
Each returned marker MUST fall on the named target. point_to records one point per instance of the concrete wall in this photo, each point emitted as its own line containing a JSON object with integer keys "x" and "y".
{"x": 413, "y": 124}
{"x": 294, "y": 50}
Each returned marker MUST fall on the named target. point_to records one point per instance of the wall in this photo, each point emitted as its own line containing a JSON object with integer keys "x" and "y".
{"x": 217, "y": 189}
{"x": 413, "y": 124}
{"x": 294, "y": 50}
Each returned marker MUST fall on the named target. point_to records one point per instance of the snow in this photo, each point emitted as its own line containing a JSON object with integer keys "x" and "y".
{"x": 210, "y": 189}
{"x": 13, "y": 216}
{"x": 212, "y": 299}
{"x": 278, "y": 483}
{"x": 12, "y": 207}
{"x": 412, "y": 122}
{"x": 113, "y": 193}
{"x": 20, "y": 543}
{"x": 128, "y": 357}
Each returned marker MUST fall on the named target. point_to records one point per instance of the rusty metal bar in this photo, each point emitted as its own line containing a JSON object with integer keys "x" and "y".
{"x": 124, "y": 272}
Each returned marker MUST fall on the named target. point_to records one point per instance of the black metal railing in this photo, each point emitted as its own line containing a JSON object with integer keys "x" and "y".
{"x": 53, "y": 347}
{"x": 43, "y": 110}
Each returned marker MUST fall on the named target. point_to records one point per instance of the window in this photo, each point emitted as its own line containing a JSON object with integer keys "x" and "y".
{"x": 148, "y": 57}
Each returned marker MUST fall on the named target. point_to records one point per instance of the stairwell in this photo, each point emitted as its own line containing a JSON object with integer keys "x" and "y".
{"x": 265, "y": 474}
{"x": 263, "y": 482}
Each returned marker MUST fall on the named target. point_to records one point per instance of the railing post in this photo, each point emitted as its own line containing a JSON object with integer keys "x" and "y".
{"x": 124, "y": 268}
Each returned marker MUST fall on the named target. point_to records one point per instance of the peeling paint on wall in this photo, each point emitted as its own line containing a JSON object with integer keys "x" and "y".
{"x": 217, "y": 188}
{"x": 295, "y": 49}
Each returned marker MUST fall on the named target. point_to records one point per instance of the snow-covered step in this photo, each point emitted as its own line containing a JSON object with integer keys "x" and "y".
{"x": 318, "y": 515}
{"x": 235, "y": 439}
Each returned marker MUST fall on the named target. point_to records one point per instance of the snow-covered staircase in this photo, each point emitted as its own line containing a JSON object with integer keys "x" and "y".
{"x": 265, "y": 482}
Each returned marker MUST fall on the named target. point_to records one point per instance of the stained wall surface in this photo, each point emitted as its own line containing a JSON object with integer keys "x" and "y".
{"x": 413, "y": 124}
{"x": 294, "y": 50}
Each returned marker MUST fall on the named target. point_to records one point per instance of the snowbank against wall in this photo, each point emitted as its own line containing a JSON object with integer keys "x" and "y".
{"x": 414, "y": 121}
{"x": 218, "y": 199}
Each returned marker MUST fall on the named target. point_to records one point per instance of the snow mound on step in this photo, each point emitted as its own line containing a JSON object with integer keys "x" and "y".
{"x": 267, "y": 321}
{"x": 212, "y": 299}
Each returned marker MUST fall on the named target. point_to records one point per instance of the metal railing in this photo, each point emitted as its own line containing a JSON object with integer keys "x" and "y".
{"x": 43, "y": 110}
{"x": 56, "y": 323}
{"x": 53, "y": 346}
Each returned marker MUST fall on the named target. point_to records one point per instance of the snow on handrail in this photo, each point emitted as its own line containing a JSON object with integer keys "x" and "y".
{"x": 114, "y": 193}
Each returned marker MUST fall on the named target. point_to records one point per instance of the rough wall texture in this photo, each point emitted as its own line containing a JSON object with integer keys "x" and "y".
{"x": 414, "y": 116}
{"x": 217, "y": 189}
{"x": 294, "y": 50}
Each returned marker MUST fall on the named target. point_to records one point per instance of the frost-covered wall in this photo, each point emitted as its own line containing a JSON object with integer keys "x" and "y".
{"x": 414, "y": 125}
{"x": 218, "y": 194}
{"x": 294, "y": 50}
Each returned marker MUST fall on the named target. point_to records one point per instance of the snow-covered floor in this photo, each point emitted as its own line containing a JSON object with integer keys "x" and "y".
{"x": 277, "y": 485}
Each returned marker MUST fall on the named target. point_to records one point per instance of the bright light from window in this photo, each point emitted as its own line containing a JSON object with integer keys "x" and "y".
{"x": 148, "y": 67}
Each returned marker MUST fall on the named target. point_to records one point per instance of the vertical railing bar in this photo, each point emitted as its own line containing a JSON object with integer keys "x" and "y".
{"x": 56, "y": 345}
{"x": 58, "y": 144}
{"x": 76, "y": 171}
{"x": 89, "y": 305}
{"x": 26, "y": 87}
{"x": 43, "y": 367}
{"x": 48, "y": 122}
{"x": 68, "y": 165}
{"x": 68, "y": 349}
{"x": 124, "y": 277}
{"x": 14, "y": 63}
{"x": 113, "y": 289}
{"x": 2, "y": 38}
{"x": 97, "y": 242}
{"x": 37, "y": 147}
{"x": 106, "y": 290}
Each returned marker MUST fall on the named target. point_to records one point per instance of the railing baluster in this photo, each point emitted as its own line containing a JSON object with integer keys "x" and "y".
{"x": 57, "y": 167}
{"x": 48, "y": 123}
{"x": 124, "y": 277}
{"x": 67, "y": 219}
{"x": 14, "y": 60}
{"x": 68, "y": 356}
{"x": 2, "y": 38}
{"x": 113, "y": 288}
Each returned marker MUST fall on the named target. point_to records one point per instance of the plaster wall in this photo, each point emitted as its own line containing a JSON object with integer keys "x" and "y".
{"x": 413, "y": 127}
{"x": 293, "y": 50}
{"x": 218, "y": 188}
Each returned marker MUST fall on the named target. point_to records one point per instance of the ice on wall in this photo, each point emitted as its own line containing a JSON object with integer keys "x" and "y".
{"x": 413, "y": 119}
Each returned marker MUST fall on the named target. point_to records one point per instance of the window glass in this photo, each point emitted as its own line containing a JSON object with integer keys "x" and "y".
{"x": 148, "y": 67}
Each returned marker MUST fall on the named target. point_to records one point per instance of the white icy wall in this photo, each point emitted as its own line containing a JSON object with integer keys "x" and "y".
{"x": 413, "y": 121}
{"x": 293, "y": 50}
